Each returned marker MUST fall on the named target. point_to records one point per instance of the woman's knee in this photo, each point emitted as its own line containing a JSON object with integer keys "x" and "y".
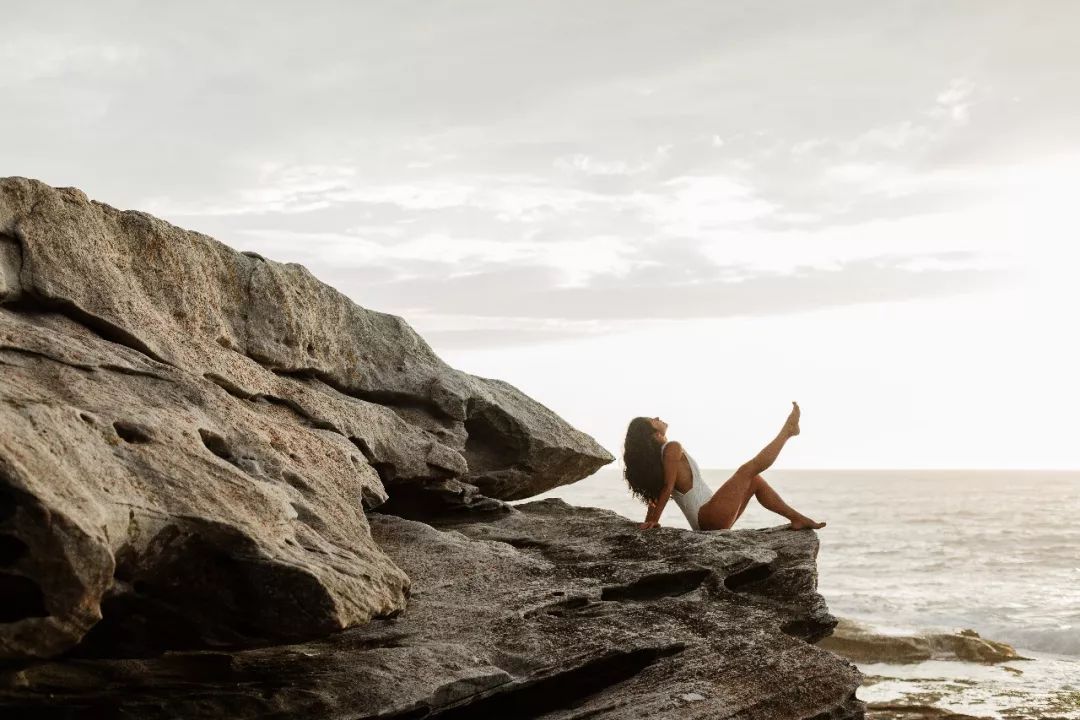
{"x": 751, "y": 476}
{"x": 750, "y": 469}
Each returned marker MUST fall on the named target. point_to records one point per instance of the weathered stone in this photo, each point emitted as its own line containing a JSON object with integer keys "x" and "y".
{"x": 191, "y": 434}
{"x": 187, "y": 516}
{"x": 861, "y": 644}
{"x": 187, "y": 300}
{"x": 10, "y": 268}
{"x": 438, "y": 499}
{"x": 901, "y": 711}
{"x": 540, "y": 611}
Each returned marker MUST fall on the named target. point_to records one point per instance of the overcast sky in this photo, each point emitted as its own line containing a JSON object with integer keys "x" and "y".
{"x": 697, "y": 210}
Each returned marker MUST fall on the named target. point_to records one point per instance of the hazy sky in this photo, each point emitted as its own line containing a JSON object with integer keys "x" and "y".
{"x": 697, "y": 210}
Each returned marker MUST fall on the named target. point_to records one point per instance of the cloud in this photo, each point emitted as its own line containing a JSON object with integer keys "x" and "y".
{"x": 39, "y": 57}
{"x": 469, "y": 333}
{"x": 699, "y": 205}
{"x": 500, "y": 305}
{"x": 693, "y": 154}
{"x": 955, "y": 100}
{"x": 676, "y": 291}
{"x": 588, "y": 165}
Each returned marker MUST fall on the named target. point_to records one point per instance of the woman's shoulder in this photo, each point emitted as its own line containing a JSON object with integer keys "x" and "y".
{"x": 671, "y": 447}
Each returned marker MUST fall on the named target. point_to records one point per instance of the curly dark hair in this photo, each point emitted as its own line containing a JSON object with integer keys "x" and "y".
{"x": 643, "y": 468}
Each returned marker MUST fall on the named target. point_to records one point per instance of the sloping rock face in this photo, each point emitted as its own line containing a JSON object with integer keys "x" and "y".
{"x": 538, "y": 611}
{"x": 190, "y": 435}
{"x": 171, "y": 505}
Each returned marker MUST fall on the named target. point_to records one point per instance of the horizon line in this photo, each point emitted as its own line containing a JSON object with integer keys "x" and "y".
{"x": 902, "y": 469}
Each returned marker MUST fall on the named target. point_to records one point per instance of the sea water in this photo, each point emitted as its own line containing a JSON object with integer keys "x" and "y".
{"x": 919, "y": 551}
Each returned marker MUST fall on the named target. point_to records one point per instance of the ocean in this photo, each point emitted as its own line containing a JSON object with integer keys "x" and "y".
{"x": 930, "y": 551}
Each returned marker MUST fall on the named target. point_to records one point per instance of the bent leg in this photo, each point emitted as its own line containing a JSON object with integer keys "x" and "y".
{"x": 728, "y": 502}
{"x": 722, "y": 511}
{"x": 745, "y": 502}
{"x": 771, "y": 500}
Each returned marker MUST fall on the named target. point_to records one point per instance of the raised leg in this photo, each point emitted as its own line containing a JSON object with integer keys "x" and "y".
{"x": 764, "y": 459}
{"x": 745, "y": 502}
{"x": 730, "y": 500}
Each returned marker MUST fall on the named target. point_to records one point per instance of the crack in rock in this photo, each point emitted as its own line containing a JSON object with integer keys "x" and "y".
{"x": 658, "y": 585}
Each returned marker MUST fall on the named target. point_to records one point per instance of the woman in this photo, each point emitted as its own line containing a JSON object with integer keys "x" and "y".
{"x": 657, "y": 468}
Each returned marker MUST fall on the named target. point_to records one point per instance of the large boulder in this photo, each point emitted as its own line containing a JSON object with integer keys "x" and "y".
{"x": 191, "y": 435}
{"x": 184, "y": 514}
{"x": 189, "y": 301}
{"x": 538, "y": 611}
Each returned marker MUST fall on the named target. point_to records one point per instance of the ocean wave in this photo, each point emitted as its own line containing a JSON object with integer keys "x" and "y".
{"x": 1057, "y": 641}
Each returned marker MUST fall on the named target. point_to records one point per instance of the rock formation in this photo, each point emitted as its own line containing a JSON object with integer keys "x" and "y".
{"x": 863, "y": 645}
{"x": 194, "y": 443}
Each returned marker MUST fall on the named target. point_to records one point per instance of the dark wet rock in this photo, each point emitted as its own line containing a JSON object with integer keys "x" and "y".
{"x": 900, "y": 711}
{"x": 540, "y": 611}
{"x": 439, "y": 498}
{"x": 863, "y": 645}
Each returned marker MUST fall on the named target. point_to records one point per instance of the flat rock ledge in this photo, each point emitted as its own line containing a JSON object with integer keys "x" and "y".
{"x": 541, "y": 610}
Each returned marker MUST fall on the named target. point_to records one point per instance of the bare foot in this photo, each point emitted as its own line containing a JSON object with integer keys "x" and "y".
{"x": 804, "y": 522}
{"x": 791, "y": 425}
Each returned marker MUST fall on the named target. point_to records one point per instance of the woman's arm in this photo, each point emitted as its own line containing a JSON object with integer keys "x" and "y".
{"x": 651, "y": 518}
{"x": 671, "y": 470}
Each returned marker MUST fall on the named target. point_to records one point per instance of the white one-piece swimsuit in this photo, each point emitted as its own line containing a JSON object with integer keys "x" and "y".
{"x": 699, "y": 493}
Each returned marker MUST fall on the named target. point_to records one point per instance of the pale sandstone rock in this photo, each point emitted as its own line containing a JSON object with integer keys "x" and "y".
{"x": 190, "y": 301}
{"x": 188, "y": 429}
{"x": 192, "y": 516}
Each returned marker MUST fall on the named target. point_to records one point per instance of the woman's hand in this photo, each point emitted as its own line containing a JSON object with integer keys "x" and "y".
{"x": 650, "y": 523}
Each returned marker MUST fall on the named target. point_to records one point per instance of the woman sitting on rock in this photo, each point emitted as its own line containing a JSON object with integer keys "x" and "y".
{"x": 657, "y": 468}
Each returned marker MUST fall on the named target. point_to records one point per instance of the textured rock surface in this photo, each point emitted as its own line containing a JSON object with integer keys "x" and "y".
{"x": 543, "y": 611}
{"x": 132, "y": 486}
{"x": 861, "y": 644}
{"x": 893, "y": 711}
{"x": 227, "y": 491}
{"x": 187, "y": 428}
{"x": 194, "y": 303}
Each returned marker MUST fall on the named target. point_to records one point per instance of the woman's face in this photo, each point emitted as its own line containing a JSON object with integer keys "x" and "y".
{"x": 658, "y": 425}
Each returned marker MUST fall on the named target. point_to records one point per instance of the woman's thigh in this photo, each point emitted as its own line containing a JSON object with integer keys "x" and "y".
{"x": 722, "y": 509}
